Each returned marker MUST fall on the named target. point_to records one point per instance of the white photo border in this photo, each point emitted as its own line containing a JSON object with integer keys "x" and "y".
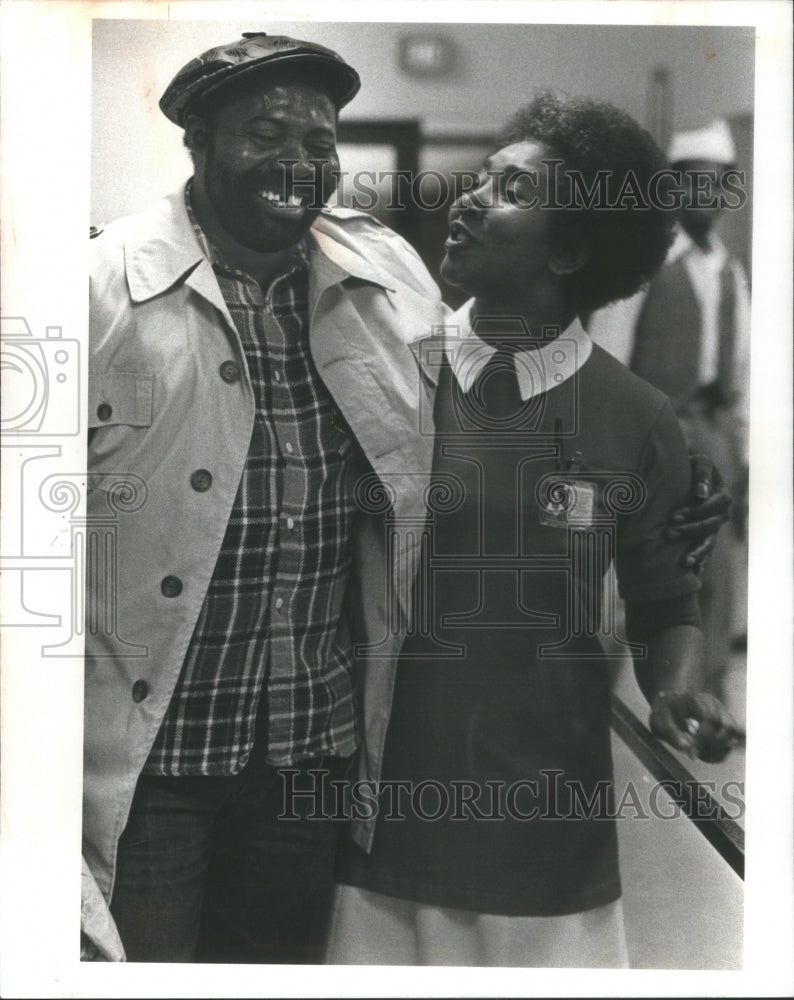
{"x": 46, "y": 128}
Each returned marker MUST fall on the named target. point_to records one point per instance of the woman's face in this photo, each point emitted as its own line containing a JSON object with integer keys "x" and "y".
{"x": 499, "y": 240}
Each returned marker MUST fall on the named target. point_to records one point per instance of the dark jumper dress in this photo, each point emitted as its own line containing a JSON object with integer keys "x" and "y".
{"x": 509, "y": 691}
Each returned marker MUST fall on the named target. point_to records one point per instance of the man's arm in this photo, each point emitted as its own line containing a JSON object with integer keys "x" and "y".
{"x": 699, "y": 521}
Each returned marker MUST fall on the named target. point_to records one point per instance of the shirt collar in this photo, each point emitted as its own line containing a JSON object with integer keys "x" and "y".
{"x": 162, "y": 247}
{"x": 207, "y": 247}
{"x": 537, "y": 370}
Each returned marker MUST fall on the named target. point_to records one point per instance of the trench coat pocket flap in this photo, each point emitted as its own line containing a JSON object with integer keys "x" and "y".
{"x": 120, "y": 398}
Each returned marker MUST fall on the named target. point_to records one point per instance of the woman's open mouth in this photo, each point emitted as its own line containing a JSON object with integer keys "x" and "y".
{"x": 459, "y": 236}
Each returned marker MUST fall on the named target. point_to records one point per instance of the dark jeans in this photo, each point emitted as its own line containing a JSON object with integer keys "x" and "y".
{"x": 207, "y": 872}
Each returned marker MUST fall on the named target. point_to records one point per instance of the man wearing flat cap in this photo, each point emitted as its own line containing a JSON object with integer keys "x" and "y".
{"x": 253, "y": 363}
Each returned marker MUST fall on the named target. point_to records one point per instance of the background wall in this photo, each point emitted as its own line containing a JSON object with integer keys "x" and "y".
{"x": 137, "y": 153}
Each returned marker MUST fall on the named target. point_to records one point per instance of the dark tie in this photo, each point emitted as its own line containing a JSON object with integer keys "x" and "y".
{"x": 495, "y": 393}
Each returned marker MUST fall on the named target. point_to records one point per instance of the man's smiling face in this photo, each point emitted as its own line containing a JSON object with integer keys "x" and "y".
{"x": 265, "y": 161}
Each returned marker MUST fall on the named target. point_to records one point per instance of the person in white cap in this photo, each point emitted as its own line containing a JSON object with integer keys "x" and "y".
{"x": 688, "y": 333}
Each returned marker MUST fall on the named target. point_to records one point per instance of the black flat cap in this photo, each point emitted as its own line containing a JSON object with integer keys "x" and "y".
{"x": 255, "y": 50}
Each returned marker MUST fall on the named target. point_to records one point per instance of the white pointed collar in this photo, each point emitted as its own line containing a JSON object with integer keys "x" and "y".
{"x": 537, "y": 370}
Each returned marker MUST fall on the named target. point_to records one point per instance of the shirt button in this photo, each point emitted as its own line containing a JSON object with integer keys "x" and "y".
{"x": 243, "y": 759}
{"x": 201, "y": 480}
{"x": 288, "y": 448}
{"x": 290, "y": 523}
{"x": 230, "y": 372}
{"x": 277, "y": 376}
{"x": 171, "y": 586}
{"x": 140, "y": 689}
{"x": 104, "y": 411}
{"x": 279, "y": 604}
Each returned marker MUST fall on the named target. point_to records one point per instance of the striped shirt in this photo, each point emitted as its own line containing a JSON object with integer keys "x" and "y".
{"x": 272, "y": 623}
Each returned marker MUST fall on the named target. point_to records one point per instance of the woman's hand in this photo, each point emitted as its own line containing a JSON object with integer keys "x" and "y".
{"x": 695, "y": 722}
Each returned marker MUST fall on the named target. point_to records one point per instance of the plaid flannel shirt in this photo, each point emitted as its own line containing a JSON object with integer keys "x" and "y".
{"x": 272, "y": 624}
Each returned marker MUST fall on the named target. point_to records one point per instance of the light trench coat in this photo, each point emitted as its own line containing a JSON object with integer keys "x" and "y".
{"x": 162, "y": 405}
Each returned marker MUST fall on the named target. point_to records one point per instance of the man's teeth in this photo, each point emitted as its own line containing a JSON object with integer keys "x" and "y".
{"x": 291, "y": 201}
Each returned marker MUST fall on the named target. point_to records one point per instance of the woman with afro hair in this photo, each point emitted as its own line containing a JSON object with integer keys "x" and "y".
{"x": 495, "y": 841}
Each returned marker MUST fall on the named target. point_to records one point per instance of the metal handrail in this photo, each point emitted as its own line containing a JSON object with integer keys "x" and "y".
{"x": 703, "y": 809}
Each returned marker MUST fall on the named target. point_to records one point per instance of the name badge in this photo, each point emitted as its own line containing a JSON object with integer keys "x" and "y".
{"x": 570, "y": 504}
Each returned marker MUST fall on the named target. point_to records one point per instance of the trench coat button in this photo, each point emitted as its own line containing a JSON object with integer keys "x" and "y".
{"x": 171, "y": 586}
{"x": 140, "y": 689}
{"x": 230, "y": 372}
{"x": 104, "y": 411}
{"x": 201, "y": 480}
